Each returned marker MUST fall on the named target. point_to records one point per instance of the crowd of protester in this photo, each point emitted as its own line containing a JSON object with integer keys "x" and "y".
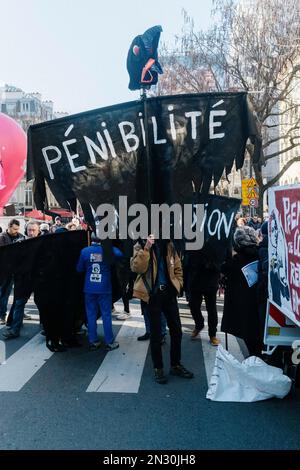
{"x": 159, "y": 275}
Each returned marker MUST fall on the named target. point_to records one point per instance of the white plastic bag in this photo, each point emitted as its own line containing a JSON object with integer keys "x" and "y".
{"x": 251, "y": 380}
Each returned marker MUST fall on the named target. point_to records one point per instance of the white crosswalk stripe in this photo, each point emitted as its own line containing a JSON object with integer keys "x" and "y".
{"x": 23, "y": 364}
{"x": 121, "y": 370}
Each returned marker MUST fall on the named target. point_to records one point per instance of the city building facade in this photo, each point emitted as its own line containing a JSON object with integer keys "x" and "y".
{"x": 27, "y": 109}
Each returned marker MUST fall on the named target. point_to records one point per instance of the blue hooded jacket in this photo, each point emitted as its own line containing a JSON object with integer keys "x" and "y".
{"x": 97, "y": 271}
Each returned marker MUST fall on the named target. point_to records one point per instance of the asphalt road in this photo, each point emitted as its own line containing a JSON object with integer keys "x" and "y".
{"x": 48, "y": 405}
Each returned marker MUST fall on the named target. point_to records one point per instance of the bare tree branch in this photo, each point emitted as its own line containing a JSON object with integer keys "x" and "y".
{"x": 281, "y": 173}
{"x": 253, "y": 46}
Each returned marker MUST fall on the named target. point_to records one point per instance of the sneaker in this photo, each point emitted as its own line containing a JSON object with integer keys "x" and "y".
{"x": 145, "y": 337}
{"x": 94, "y": 346}
{"x": 114, "y": 312}
{"x": 159, "y": 376}
{"x": 181, "y": 371}
{"x": 27, "y": 317}
{"x": 123, "y": 316}
{"x": 111, "y": 346}
{"x": 9, "y": 334}
{"x": 214, "y": 341}
{"x": 2, "y": 321}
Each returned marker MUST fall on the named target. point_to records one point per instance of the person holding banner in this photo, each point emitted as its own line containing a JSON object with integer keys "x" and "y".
{"x": 159, "y": 281}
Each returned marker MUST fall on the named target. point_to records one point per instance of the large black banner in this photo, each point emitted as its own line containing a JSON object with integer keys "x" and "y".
{"x": 218, "y": 225}
{"x": 46, "y": 267}
{"x": 98, "y": 155}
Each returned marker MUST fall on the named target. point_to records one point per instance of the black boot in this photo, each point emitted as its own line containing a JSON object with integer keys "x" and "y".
{"x": 144, "y": 337}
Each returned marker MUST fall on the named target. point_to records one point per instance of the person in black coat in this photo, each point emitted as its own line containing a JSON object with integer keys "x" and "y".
{"x": 241, "y": 315}
{"x": 202, "y": 282}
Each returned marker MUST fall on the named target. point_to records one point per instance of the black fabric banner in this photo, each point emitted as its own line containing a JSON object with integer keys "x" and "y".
{"x": 98, "y": 155}
{"x": 218, "y": 225}
{"x": 46, "y": 267}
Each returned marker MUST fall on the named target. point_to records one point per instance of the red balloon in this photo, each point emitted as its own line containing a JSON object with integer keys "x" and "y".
{"x": 13, "y": 151}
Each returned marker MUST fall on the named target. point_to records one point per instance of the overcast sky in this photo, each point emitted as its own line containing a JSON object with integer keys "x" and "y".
{"x": 74, "y": 51}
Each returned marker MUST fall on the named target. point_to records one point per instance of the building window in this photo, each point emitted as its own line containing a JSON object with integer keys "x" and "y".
{"x": 28, "y": 197}
{"x": 25, "y": 107}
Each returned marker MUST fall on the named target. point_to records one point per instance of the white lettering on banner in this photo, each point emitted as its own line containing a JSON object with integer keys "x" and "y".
{"x": 291, "y": 214}
{"x": 156, "y": 140}
{"x": 297, "y": 243}
{"x": 143, "y": 128}
{"x": 132, "y": 138}
{"x": 109, "y": 141}
{"x": 49, "y": 163}
{"x": 193, "y": 115}
{"x": 70, "y": 157}
{"x": 227, "y": 225}
{"x": 221, "y": 223}
{"x": 70, "y": 128}
{"x": 295, "y": 274}
{"x": 211, "y": 231}
{"x": 213, "y": 123}
{"x": 92, "y": 148}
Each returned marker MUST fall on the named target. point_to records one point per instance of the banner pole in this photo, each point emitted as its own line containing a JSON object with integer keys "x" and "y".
{"x": 149, "y": 176}
{"x": 148, "y": 156}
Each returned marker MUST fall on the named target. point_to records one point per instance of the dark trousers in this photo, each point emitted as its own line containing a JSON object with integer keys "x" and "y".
{"x": 254, "y": 347}
{"x": 164, "y": 301}
{"x": 125, "y": 299}
{"x": 195, "y": 302}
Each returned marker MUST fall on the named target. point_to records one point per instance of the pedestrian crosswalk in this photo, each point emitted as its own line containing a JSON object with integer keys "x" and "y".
{"x": 118, "y": 371}
{"x": 23, "y": 364}
{"x": 122, "y": 369}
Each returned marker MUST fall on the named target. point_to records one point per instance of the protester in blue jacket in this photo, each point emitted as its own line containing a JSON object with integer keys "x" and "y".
{"x": 98, "y": 292}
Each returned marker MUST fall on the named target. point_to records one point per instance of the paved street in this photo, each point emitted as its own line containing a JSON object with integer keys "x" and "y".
{"x": 98, "y": 400}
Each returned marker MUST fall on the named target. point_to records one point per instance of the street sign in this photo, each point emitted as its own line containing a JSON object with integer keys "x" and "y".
{"x": 251, "y": 183}
{"x": 249, "y": 192}
{"x": 253, "y": 202}
{"x": 252, "y": 194}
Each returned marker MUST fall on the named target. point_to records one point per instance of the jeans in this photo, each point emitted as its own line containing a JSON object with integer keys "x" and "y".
{"x": 92, "y": 304}
{"x": 163, "y": 321}
{"x": 18, "y": 314}
{"x": 164, "y": 301}
{"x": 5, "y": 290}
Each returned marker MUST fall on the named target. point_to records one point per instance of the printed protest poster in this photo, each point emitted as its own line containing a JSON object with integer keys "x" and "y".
{"x": 250, "y": 272}
{"x": 284, "y": 250}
